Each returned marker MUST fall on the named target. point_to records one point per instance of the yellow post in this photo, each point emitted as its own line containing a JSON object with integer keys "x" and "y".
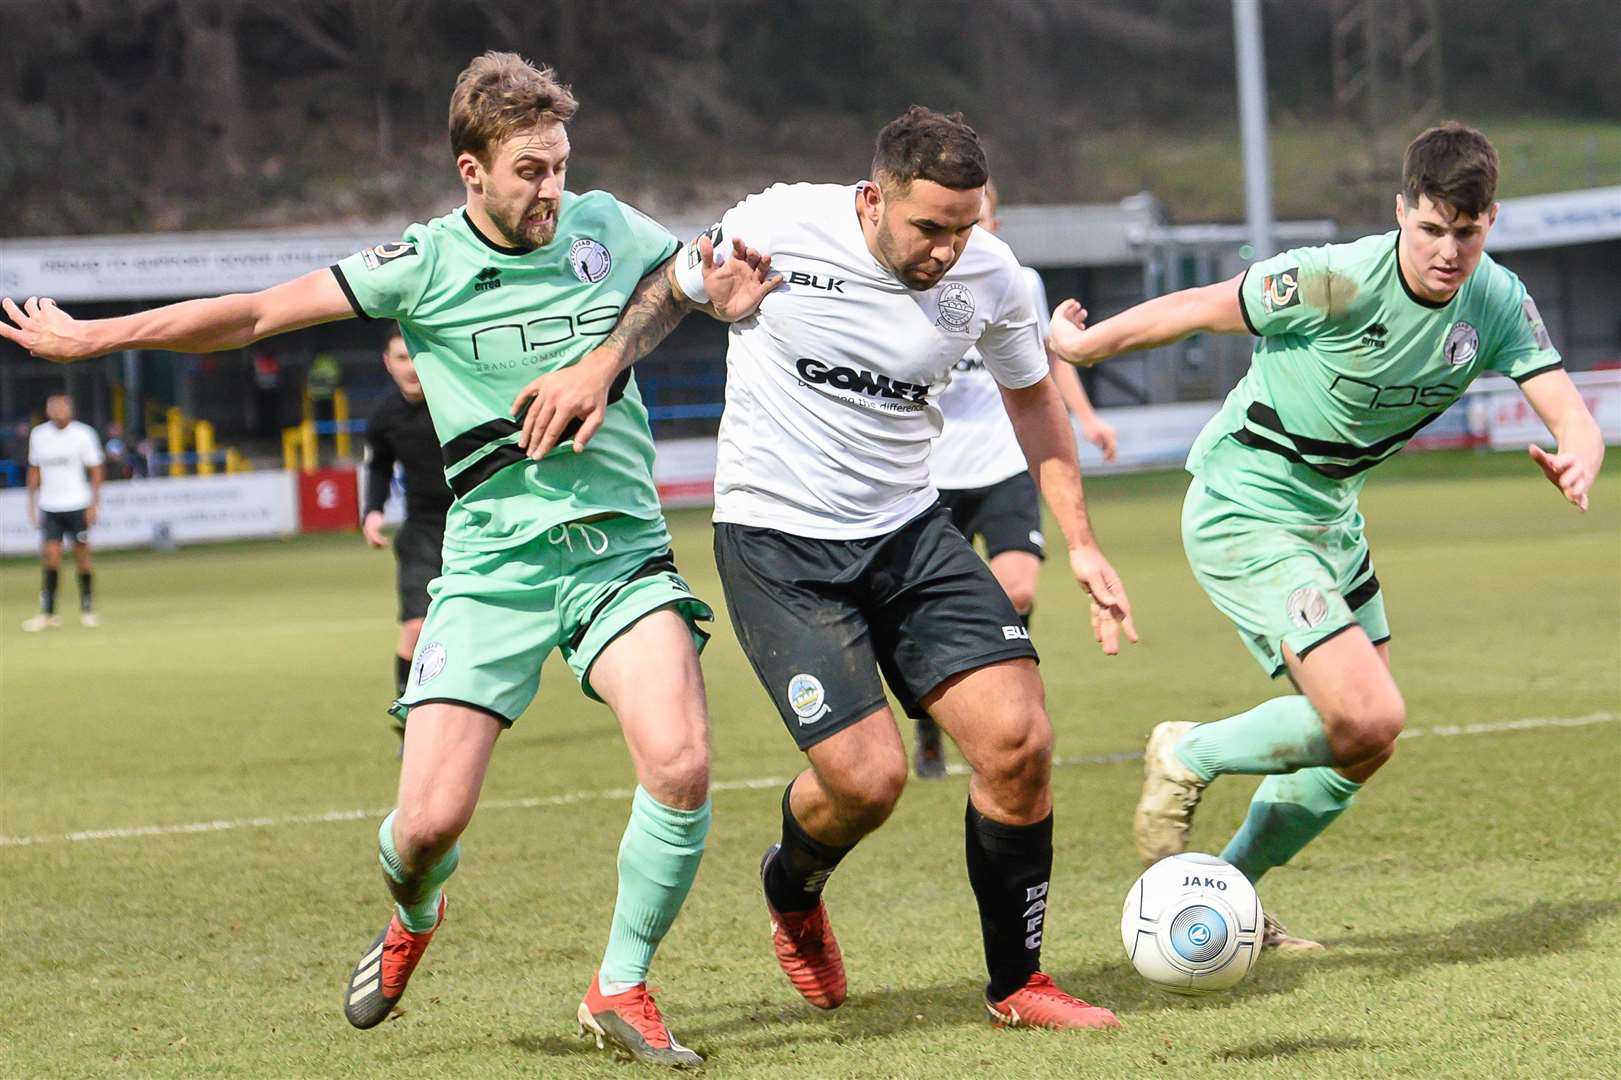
{"x": 118, "y": 405}
{"x": 289, "y": 449}
{"x": 311, "y": 445}
{"x": 340, "y": 419}
{"x": 204, "y": 432}
{"x": 234, "y": 461}
{"x": 177, "y": 442}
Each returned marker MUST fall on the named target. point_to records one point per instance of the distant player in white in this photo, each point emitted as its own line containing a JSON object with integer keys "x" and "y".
{"x": 838, "y": 560}
{"x": 64, "y": 493}
{"x": 985, "y": 482}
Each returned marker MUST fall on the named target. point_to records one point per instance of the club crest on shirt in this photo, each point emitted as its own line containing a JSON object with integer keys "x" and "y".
{"x": 1307, "y": 608}
{"x": 375, "y": 257}
{"x": 956, "y": 306}
{"x": 1281, "y": 290}
{"x": 1462, "y": 343}
{"x": 590, "y": 260}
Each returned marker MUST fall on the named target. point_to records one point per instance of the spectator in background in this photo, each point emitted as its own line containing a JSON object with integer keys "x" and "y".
{"x": 265, "y": 399}
{"x": 116, "y": 451}
{"x": 140, "y": 462}
{"x": 323, "y": 381}
{"x": 64, "y": 493}
{"x": 14, "y": 450}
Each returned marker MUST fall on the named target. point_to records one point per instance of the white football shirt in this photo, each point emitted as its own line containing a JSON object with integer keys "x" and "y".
{"x": 832, "y": 386}
{"x": 62, "y": 454}
{"x": 977, "y": 448}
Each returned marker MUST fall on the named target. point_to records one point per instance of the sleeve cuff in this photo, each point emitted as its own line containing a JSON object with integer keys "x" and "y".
{"x": 349, "y": 294}
{"x": 1243, "y": 308}
{"x": 1557, "y": 365}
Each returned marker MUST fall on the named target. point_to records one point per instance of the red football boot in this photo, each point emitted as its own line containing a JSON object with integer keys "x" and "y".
{"x": 806, "y": 949}
{"x": 1040, "y": 1004}
{"x": 378, "y": 981}
{"x": 631, "y": 1021}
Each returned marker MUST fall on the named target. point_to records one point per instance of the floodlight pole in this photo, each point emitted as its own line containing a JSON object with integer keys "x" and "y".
{"x": 1252, "y": 125}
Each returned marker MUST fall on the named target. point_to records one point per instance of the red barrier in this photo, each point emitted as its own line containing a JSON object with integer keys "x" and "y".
{"x": 328, "y": 500}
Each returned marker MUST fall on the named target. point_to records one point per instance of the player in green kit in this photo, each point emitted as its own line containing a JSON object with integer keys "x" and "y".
{"x": 568, "y": 553}
{"x": 1359, "y": 346}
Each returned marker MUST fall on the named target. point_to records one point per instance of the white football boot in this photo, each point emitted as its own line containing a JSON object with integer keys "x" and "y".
{"x": 1279, "y": 940}
{"x": 1171, "y": 793}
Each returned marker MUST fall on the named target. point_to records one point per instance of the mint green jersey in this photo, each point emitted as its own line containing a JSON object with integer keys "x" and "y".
{"x": 1349, "y": 366}
{"x": 481, "y": 321}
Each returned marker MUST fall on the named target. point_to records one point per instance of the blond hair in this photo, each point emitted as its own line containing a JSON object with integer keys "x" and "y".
{"x": 500, "y": 93}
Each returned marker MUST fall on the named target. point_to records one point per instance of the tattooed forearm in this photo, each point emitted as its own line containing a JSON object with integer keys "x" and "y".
{"x": 651, "y": 313}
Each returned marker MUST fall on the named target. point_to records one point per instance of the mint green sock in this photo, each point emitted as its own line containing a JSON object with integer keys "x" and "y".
{"x": 658, "y": 860}
{"x": 1287, "y": 813}
{"x": 1276, "y": 736}
{"x": 416, "y": 896}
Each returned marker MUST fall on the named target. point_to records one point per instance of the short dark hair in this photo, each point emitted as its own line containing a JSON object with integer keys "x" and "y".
{"x": 391, "y": 331}
{"x": 922, "y": 144}
{"x": 1452, "y": 164}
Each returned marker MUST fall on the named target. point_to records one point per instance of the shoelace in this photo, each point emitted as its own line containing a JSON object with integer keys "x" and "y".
{"x": 398, "y": 951}
{"x": 644, "y": 1016}
{"x": 1042, "y": 985}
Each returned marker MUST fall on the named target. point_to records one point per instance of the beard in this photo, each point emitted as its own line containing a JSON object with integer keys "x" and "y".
{"x": 914, "y": 277}
{"x": 518, "y": 231}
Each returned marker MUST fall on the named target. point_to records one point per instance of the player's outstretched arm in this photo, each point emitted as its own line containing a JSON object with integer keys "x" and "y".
{"x": 1574, "y": 466}
{"x": 1044, "y": 434}
{"x": 1208, "y": 309}
{"x": 733, "y": 290}
{"x": 219, "y": 322}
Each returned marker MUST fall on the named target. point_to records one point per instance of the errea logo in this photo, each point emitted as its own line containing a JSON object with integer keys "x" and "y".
{"x": 487, "y": 279}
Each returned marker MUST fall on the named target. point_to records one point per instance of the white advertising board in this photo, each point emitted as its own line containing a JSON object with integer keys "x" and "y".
{"x": 1511, "y": 424}
{"x": 178, "y": 510}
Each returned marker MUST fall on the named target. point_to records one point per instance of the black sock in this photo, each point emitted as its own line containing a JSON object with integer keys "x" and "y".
{"x": 1009, "y": 867}
{"x": 85, "y": 601}
{"x": 402, "y": 674}
{"x": 47, "y": 592}
{"x": 927, "y": 727}
{"x": 794, "y": 879}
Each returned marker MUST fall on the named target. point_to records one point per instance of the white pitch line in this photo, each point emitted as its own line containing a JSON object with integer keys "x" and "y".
{"x": 750, "y": 784}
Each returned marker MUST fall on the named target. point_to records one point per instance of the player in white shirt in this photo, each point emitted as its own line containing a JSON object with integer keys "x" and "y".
{"x": 64, "y": 493}
{"x": 985, "y": 482}
{"x": 838, "y": 561}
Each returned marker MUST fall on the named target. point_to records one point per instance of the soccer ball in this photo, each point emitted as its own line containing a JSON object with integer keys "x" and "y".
{"x": 1192, "y": 924}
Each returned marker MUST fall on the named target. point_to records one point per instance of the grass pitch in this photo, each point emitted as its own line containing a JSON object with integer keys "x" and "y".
{"x": 1470, "y": 899}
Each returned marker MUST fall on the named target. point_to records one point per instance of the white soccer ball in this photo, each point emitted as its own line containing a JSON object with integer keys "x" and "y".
{"x": 1192, "y": 924}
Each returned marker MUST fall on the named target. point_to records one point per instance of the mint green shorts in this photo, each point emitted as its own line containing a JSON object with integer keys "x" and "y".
{"x": 494, "y": 616}
{"x": 1281, "y": 583}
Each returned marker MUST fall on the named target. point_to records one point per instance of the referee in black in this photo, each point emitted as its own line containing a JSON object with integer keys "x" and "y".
{"x": 400, "y": 430}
